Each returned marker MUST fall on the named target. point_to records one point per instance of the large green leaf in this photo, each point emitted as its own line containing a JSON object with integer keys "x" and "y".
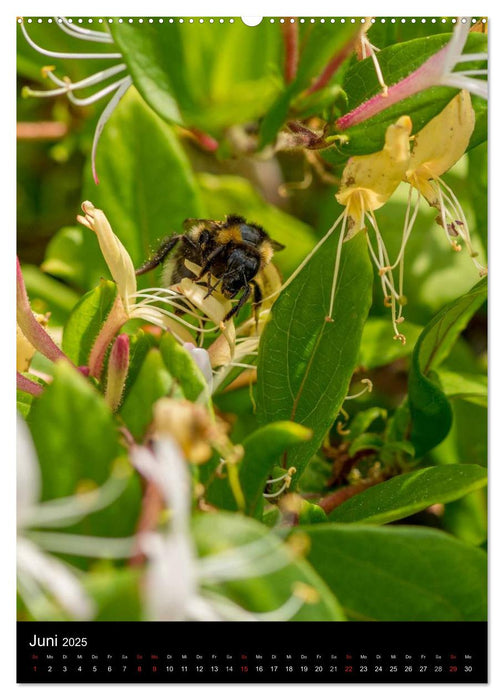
{"x": 182, "y": 368}
{"x": 178, "y": 71}
{"x": 86, "y": 320}
{"x": 262, "y": 450}
{"x": 400, "y": 573}
{"x": 74, "y": 433}
{"x": 410, "y": 493}
{"x": 430, "y": 410}
{"x": 267, "y": 587}
{"x": 151, "y": 383}
{"x": 305, "y": 363}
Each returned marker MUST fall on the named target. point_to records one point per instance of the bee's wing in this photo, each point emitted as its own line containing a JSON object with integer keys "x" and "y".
{"x": 276, "y": 245}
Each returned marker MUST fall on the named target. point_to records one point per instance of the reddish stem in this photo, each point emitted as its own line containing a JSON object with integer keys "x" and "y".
{"x": 290, "y": 33}
{"x": 29, "y": 325}
{"x": 116, "y": 318}
{"x": 25, "y": 384}
{"x": 331, "y": 67}
{"x": 152, "y": 505}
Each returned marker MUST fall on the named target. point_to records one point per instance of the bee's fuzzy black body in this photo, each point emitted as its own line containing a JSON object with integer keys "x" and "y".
{"x": 233, "y": 251}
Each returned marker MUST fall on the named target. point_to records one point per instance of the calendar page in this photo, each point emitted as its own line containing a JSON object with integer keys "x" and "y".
{"x": 251, "y": 349}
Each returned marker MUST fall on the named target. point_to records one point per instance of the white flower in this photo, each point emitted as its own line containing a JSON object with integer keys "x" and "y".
{"x": 176, "y": 579}
{"x": 40, "y": 575}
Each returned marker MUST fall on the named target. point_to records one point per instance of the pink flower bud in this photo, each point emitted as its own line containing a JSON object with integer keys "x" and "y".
{"x": 117, "y": 371}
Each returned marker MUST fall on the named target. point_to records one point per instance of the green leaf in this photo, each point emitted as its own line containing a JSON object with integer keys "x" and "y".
{"x": 48, "y": 295}
{"x": 263, "y": 450}
{"x": 377, "y": 350}
{"x": 305, "y": 363}
{"x": 152, "y": 382}
{"x": 220, "y": 533}
{"x": 410, "y": 493}
{"x": 182, "y": 368}
{"x": 116, "y": 593}
{"x": 397, "y": 62}
{"x": 430, "y": 410}
{"x": 86, "y": 320}
{"x": 146, "y": 187}
{"x": 400, "y": 573}
{"x": 74, "y": 433}
{"x": 185, "y": 80}
{"x": 462, "y": 385}
{"x": 63, "y": 257}
{"x": 363, "y": 420}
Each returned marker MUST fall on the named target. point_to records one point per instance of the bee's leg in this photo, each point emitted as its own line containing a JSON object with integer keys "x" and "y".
{"x": 211, "y": 288}
{"x": 164, "y": 249}
{"x": 257, "y": 303}
{"x": 246, "y": 293}
{"x": 209, "y": 261}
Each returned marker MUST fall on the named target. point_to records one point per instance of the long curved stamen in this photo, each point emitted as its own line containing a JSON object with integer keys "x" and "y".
{"x": 138, "y": 309}
{"x": 67, "y": 86}
{"x": 336, "y": 267}
{"x": 104, "y": 117}
{"x": 82, "y": 33}
{"x": 151, "y": 299}
{"x": 60, "y": 54}
{"x": 367, "y": 388}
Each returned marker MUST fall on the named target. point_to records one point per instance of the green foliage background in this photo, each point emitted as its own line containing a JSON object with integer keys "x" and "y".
{"x": 409, "y": 545}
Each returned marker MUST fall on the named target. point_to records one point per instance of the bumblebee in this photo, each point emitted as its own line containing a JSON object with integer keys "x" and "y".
{"x": 233, "y": 252}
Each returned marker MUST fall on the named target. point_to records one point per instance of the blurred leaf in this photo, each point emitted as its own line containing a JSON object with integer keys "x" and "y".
{"x": 467, "y": 518}
{"x": 362, "y": 420}
{"x": 182, "y": 368}
{"x": 263, "y": 449}
{"x": 410, "y": 493}
{"x": 86, "y": 320}
{"x": 305, "y": 363}
{"x": 140, "y": 344}
{"x": 74, "y": 433}
{"x": 377, "y": 348}
{"x": 64, "y": 257}
{"x": 228, "y": 194}
{"x": 216, "y": 533}
{"x": 48, "y": 295}
{"x": 185, "y": 80}
{"x": 478, "y": 177}
{"x": 460, "y": 385}
{"x": 366, "y": 441}
{"x": 116, "y": 593}
{"x": 400, "y": 573}
{"x": 430, "y": 409}
{"x": 152, "y": 382}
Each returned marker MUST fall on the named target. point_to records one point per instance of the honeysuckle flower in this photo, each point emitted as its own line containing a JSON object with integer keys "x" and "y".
{"x": 40, "y": 575}
{"x": 367, "y": 183}
{"x": 65, "y": 86}
{"x": 155, "y": 305}
{"x": 438, "y": 70}
{"x": 177, "y": 581}
{"x": 436, "y": 148}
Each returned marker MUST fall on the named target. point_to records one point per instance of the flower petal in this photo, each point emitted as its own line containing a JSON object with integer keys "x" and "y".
{"x": 442, "y": 142}
{"x": 369, "y": 181}
{"x": 116, "y": 256}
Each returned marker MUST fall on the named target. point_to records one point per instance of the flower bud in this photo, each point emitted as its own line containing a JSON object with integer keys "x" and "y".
{"x": 117, "y": 371}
